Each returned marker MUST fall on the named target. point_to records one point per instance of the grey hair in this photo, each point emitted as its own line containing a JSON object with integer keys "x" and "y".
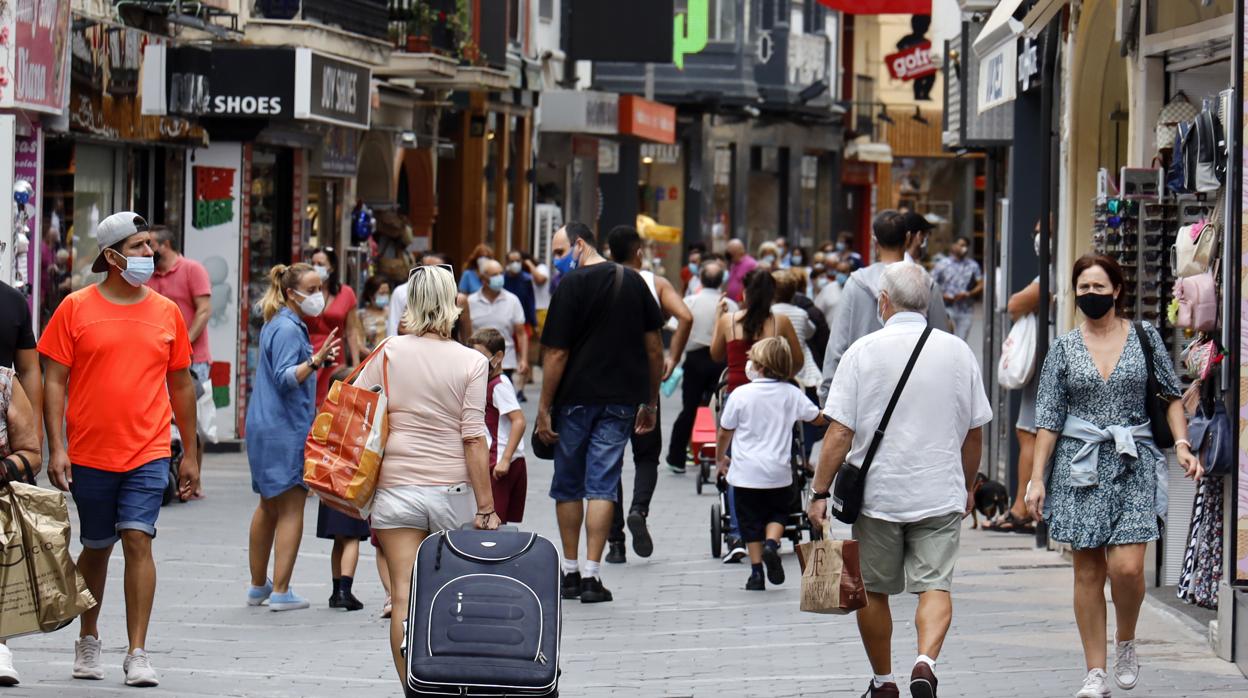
{"x": 431, "y": 302}
{"x": 909, "y": 287}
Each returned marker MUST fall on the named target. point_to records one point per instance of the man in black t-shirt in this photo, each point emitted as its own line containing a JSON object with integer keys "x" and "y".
{"x": 17, "y": 351}
{"x": 601, "y": 367}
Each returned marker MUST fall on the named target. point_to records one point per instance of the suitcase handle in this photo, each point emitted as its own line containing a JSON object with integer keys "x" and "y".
{"x": 504, "y": 527}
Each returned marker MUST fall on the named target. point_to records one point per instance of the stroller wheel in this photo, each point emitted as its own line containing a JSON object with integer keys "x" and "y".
{"x": 717, "y": 533}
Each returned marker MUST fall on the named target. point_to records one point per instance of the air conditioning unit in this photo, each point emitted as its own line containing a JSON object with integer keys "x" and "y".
{"x": 548, "y": 219}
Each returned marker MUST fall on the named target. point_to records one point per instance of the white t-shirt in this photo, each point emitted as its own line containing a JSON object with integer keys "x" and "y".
{"x": 505, "y": 401}
{"x": 398, "y": 306}
{"x": 763, "y": 413}
{"x": 917, "y": 472}
{"x": 541, "y": 292}
{"x": 502, "y": 314}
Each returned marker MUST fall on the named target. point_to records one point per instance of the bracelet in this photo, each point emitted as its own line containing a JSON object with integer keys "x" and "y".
{"x": 648, "y": 408}
{"x": 1183, "y": 442}
{"x": 486, "y": 513}
{"x": 820, "y": 495}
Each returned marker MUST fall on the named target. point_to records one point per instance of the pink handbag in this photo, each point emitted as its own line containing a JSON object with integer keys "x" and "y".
{"x": 1198, "y": 302}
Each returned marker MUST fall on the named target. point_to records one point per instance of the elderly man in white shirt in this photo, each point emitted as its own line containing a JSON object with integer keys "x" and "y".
{"x": 918, "y": 487}
{"x": 495, "y": 307}
{"x": 701, "y": 371}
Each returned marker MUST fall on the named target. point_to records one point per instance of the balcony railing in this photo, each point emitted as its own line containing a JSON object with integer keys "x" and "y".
{"x": 368, "y": 18}
{"x": 429, "y": 26}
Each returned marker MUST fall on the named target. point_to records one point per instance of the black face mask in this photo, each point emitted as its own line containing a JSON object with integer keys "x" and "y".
{"x": 1095, "y": 305}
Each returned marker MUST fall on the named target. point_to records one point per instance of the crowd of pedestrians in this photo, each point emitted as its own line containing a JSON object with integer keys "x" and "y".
{"x": 794, "y": 339}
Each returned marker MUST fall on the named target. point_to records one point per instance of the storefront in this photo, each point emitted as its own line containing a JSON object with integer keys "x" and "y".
{"x": 253, "y": 197}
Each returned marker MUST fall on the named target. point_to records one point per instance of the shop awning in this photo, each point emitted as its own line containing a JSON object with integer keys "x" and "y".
{"x": 866, "y": 151}
{"x": 1000, "y": 27}
{"x": 880, "y": 7}
{"x": 1039, "y": 16}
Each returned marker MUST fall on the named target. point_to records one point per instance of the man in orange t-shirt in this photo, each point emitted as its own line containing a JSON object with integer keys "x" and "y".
{"x": 126, "y": 351}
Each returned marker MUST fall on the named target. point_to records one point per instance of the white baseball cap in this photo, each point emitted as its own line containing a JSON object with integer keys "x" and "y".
{"x": 113, "y": 230}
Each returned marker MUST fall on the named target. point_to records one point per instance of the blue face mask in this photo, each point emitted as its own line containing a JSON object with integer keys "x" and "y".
{"x": 496, "y": 282}
{"x": 138, "y": 270}
{"x": 566, "y": 263}
{"x": 841, "y": 278}
{"x": 693, "y": 268}
{"x": 381, "y": 301}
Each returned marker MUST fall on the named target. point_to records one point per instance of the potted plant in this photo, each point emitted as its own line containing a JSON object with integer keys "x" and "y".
{"x": 419, "y": 26}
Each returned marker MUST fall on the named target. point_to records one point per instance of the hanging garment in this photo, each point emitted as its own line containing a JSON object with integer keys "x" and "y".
{"x": 1202, "y": 561}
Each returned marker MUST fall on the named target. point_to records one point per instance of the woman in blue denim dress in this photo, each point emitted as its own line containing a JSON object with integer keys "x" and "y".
{"x": 280, "y": 411}
{"x": 1093, "y": 422}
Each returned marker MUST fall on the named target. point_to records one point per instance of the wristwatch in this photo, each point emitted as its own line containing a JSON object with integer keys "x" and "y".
{"x": 648, "y": 408}
{"x": 314, "y": 365}
{"x": 816, "y": 496}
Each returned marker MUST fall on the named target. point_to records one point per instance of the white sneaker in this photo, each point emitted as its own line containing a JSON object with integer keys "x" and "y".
{"x": 139, "y": 671}
{"x": 1095, "y": 685}
{"x": 87, "y": 659}
{"x": 1126, "y": 665}
{"x": 8, "y": 675}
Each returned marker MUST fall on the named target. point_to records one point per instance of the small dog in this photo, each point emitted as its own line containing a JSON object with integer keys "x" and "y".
{"x": 991, "y": 499}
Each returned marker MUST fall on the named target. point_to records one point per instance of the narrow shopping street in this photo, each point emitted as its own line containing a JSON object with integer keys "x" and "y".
{"x": 681, "y": 624}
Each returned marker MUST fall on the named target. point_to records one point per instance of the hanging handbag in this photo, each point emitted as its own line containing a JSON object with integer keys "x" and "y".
{"x": 1209, "y": 430}
{"x": 1155, "y": 403}
{"x": 342, "y": 454}
{"x": 1018, "y": 354}
{"x": 1198, "y": 303}
{"x": 851, "y": 480}
{"x": 1193, "y": 248}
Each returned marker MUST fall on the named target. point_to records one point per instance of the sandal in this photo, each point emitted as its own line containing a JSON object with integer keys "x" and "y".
{"x": 387, "y": 608}
{"x": 1012, "y": 524}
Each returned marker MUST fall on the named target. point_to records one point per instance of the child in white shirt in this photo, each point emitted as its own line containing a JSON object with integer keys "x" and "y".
{"x": 758, "y": 423}
{"x": 505, "y": 426}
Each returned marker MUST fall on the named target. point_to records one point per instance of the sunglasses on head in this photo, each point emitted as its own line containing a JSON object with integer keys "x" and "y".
{"x": 447, "y": 267}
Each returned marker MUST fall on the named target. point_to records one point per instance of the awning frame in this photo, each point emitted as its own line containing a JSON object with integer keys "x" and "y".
{"x": 1000, "y": 27}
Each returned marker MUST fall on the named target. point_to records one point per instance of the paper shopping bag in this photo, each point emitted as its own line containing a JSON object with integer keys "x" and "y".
{"x": 831, "y": 576}
{"x": 40, "y": 588}
{"x": 342, "y": 455}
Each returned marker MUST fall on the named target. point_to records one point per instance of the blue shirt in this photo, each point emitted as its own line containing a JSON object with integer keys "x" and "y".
{"x": 522, "y": 286}
{"x": 280, "y": 409}
{"x": 469, "y": 283}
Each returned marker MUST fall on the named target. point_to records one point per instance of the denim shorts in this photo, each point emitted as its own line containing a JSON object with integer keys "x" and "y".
{"x": 590, "y": 451}
{"x": 109, "y": 502}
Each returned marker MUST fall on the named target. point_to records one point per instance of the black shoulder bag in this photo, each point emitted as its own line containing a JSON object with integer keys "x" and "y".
{"x": 538, "y": 447}
{"x": 1154, "y": 402}
{"x": 851, "y": 480}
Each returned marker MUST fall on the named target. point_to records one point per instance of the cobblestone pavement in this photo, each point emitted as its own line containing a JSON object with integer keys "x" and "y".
{"x": 681, "y": 625}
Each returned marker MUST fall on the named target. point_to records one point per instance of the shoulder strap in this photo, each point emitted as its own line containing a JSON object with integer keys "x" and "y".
{"x": 1147, "y": 348}
{"x": 602, "y": 313}
{"x": 892, "y": 403}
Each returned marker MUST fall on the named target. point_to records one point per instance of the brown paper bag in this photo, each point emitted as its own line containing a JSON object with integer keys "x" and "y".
{"x": 831, "y": 576}
{"x": 40, "y": 588}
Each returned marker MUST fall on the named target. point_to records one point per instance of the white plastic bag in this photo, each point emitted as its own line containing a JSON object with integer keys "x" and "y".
{"x": 1018, "y": 354}
{"x": 206, "y": 414}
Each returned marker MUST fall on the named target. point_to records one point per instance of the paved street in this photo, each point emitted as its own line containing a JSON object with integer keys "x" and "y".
{"x": 681, "y": 624}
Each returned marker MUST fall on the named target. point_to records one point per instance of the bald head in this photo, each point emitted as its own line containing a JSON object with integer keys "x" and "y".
{"x": 735, "y": 249}
{"x": 491, "y": 269}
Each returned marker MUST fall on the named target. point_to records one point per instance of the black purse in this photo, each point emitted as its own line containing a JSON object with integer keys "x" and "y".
{"x": 851, "y": 480}
{"x": 1154, "y": 402}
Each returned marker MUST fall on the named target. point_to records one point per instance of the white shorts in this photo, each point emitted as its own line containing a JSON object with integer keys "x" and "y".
{"x": 429, "y": 508}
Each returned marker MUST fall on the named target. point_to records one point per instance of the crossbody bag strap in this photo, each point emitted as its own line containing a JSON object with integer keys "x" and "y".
{"x": 1147, "y": 348}
{"x": 602, "y": 313}
{"x": 892, "y": 403}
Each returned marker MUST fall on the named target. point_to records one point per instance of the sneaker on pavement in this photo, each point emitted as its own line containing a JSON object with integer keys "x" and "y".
{"x": 290, "y": 601}
{"x": 8, "y": 675}
{"x": 922, "y": 681}
{"x": 87, "y": 659}
{"x": 888, "y": 690}
{"x": 736, "y": 552}
{"x": 615, "y": 553}
{"x": 755, "y": 583}
{"x": 256, "y": 596}
{"x": 677, "y": 468}
{"x": 139, "y": 671}
{"x": 1126, "y": 665}
{"x": 592, "y": 591}
{"x": 1095, "y": 685}
{"x": 570, "y": 585}
{"x": 643, "y": 545}
{"x": 775, "y": 568}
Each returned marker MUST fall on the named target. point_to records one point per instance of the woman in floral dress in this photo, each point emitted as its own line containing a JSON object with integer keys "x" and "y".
{"x": 1101, "y": 483}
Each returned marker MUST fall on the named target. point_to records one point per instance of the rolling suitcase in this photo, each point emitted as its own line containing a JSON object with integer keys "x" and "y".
{"x": 484, "y": 616}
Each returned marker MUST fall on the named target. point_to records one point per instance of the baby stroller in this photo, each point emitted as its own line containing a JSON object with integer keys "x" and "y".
{"x": 702, "y": 440}
{"x": 798, "y": 521}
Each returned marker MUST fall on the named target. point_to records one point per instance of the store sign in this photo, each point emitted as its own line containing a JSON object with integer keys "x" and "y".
{"x": 339, "y": 153}
{"x": 1028, "y": 65}
{"x": 580, "y": 111}
{"x": 330, "y": 90}
{"x": 661, "y": 154}
{"x": 213, "y": 194}
{"x": 996, "y": 77}
{"x": 33, "y": 55}
{"x": 912, "y": 63}
{"x": 646, "y": 119}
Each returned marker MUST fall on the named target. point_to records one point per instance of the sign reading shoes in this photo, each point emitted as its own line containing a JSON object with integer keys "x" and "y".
{"x": 255, "y": 83}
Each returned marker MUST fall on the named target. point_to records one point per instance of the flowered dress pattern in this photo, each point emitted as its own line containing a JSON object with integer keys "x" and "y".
{"x": 1120, "y": 509}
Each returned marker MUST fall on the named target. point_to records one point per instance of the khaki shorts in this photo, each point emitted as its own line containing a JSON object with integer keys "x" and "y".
{"x": 916, "y": 557}
{"x": 430, "y": 508}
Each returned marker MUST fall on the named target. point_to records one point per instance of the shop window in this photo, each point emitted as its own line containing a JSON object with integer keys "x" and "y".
{"x": 546, "y": 10}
